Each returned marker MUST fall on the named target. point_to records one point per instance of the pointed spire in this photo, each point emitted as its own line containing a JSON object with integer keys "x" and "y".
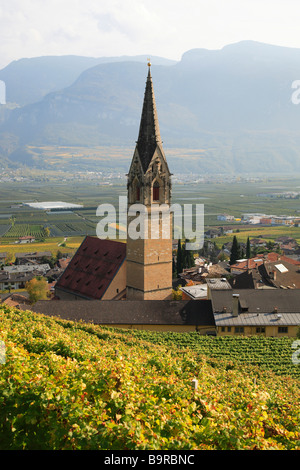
{"x": 149, "y": 134}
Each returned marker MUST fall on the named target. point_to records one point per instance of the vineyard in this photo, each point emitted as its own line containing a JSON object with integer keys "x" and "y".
{"x": 273, "y": 354}
{"x": 59, "y": 229}
{"x": 4, "y": 229}
{"x": 73, "y": 229}
{"x": 24, "y": 230}
{"x": 66, "y": 385}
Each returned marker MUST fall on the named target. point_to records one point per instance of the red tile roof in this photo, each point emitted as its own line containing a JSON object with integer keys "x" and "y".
{"x": 290, "y": 260}
{"x": 63, "y": 263}
{"x": 277, "y": 257}
{"x": 248, "y": 263}
{"x": 254, "y": 262}
{"x": 93, "y": 267}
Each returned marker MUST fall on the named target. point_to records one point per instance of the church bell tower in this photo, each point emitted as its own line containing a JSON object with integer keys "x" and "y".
{"x": 149, "y": 258}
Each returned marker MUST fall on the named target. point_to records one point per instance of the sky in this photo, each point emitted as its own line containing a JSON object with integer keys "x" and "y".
{"x": 167, "y": 28}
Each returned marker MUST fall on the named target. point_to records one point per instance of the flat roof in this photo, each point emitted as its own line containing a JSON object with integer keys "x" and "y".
{"x": 48, "y": 205}
{"x": 198, "y": 291}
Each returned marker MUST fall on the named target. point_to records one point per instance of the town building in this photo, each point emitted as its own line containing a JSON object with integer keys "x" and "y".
{"x": 26, "y": 239}
{"x": 10, "y": 281}
{"x": 225, "y": 217}
{"x": 281, "y": 274}
{"x": 15, "y": 300}
{"x": 32, "y": 257}
{"x": 38, "y": 269}
{"x": 154, "y": 315}
{"x": 3, "y": 257}
{"x": 97, "y": 271}
{"x": 273, "y": 312}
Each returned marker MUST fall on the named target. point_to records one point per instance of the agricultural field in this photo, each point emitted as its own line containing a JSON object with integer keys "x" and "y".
{"x": 73, "y": 229}
{"x": 77, "y": 386}
{"x": 266, "y": 233}
{"x": 233, "y": 197}
{"x": 50, "y": 244}
{"x": 22, "y": 230}
{"x": 85, "y": 158}
{"x": 274, "y": 354}
{"x": 4, "y": 229}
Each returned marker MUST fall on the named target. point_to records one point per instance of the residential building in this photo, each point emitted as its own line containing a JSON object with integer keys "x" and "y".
{"x": 32, "y": 257}
{"x": 219, "y": 284}
{"x": 225, "y": 217}
{"x": 246, "y": 264}
{"x": 281, "y": 274}
{"x": 26, "y": 239}
{"x": 258, "y": 243}
{"x": 15, "y": 300}
{"x": 194, "y": 292}
{"x": 38, "y": 269}
{"x": 273, "y": 312}
{"x": 213, "y": 233}
{"x": 14, "y": 280}
{"x": 3, "y": 257}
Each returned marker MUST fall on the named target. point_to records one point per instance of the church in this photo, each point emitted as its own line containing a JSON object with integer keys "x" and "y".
{"x": 140, "y": 269}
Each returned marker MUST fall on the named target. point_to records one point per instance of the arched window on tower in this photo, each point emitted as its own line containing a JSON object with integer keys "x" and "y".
{"x": 156, "y": 191}
{"x": 135, "y": 191}
{"x": 138, "y": 192}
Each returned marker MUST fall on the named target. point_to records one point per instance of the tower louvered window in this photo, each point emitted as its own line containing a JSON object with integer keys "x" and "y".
{"x": 156, "y": 191}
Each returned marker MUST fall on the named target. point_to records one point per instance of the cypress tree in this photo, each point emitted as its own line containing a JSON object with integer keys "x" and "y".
{"x": 248, "y": 249}
{"x": 189, "y": 261}
{"x": 235, "y": 251}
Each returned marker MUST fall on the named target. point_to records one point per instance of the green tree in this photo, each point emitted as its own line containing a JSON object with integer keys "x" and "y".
{"x": 248, "y": 249}
{"x": 177, "y": 293}
{"x": 189, "y": 261}
{"x": 10, "y": 259}
{"x": 37, "y": 289}
{"x": 235, "y": 251}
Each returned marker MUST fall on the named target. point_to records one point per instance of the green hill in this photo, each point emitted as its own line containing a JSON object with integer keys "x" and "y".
{"x": 66, "y": 385}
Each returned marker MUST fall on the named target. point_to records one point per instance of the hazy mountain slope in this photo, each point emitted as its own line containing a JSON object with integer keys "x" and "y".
{"x": 29, "y": 80}
{"x": 234, "y": 103}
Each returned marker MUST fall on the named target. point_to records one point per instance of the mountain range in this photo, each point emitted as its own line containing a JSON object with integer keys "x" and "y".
{"x": 232, "y": 106}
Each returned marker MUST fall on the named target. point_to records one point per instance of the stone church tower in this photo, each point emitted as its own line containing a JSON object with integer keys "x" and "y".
{"x": 149, "y": 258}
